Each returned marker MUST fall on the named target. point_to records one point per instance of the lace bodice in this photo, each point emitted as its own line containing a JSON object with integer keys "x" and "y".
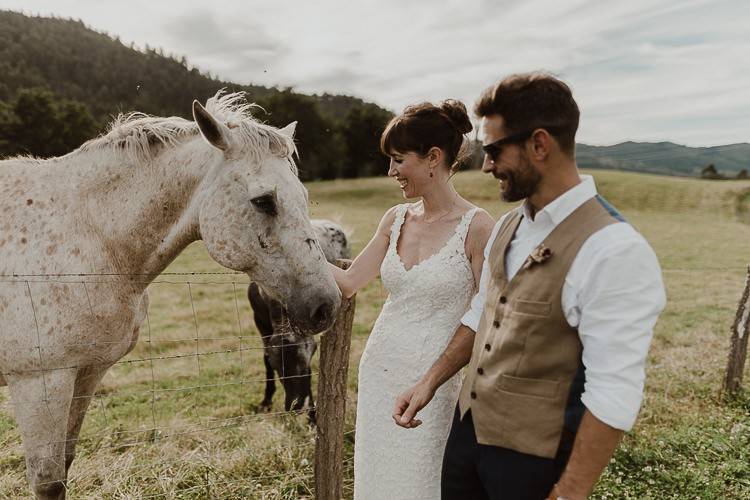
{"x": 420, "y": 315}
{"x": 436, "y": 290}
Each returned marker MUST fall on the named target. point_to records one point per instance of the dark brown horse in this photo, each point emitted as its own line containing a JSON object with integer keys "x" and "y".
{"x": 288, "y": 353}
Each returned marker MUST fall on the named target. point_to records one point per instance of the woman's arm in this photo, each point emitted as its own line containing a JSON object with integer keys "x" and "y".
{"x": 366, "y": 265}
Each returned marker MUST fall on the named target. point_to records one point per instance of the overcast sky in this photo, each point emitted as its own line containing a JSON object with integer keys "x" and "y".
{"x": 642, "y": 70}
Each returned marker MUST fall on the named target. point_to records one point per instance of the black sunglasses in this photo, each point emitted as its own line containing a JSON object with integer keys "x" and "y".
{"x": 494, "y": 149}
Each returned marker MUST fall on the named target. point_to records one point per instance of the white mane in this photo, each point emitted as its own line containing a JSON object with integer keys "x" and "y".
{"x": 139, "y": 136}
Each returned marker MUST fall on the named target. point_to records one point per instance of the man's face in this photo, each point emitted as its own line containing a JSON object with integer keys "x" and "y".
{"x": 518, "y": 178}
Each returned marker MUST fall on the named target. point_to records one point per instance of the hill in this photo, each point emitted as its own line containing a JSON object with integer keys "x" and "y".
{"x": 93, "y": 73}
{"x": 79, "y": 63}
{"x": 665, "y": 158}
{"x": 52, "y": 70}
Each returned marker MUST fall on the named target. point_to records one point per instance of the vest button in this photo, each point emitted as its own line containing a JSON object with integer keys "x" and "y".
{"x": 503, "y": 299}
{"x": 496, "y": 324}
{"x": 486, "y": 347}
{"x": 473, "y": 395}
{"x": 480, "y": 371}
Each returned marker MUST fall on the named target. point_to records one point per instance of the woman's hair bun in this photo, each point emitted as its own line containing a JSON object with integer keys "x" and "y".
{"x": 456, "y": 112}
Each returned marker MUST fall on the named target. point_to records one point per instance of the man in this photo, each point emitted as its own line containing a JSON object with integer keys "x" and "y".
{"x": 557, "y": 336}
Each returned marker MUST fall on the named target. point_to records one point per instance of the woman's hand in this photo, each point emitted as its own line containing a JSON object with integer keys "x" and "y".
{"x": 366, "y": 266}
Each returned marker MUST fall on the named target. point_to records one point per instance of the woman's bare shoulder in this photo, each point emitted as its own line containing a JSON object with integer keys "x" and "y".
{"x": 386, "y": 222}
{"x": 480, "y": 229}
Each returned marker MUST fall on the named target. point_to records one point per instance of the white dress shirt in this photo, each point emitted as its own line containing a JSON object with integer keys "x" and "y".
{"x": 613, "y": 294}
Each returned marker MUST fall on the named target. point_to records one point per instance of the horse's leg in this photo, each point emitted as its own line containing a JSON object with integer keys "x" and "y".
{"x": 265, "y": 405}
{"x": 41, "y": 402}
{"x": 87, "y": 380}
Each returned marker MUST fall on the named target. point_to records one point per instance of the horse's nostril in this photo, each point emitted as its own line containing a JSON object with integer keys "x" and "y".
{"x": 322, "y": 314}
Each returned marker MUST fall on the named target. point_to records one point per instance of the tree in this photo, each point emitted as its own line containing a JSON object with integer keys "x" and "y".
{"x": 315, "y": 136}
{"x": 742, "y": 174}
{"x": 710, "y": 172}
{"x": 475, "y": 155}
{"x": 361, "y": 131}
{"x": 7, "y": 128}
{"x": 36, "y": 122}
{"x": 76, "y": 124}
{"x": 37, "y": 129}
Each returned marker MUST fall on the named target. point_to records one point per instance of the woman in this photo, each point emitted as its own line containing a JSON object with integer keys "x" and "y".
{"x": 429, "y": 254}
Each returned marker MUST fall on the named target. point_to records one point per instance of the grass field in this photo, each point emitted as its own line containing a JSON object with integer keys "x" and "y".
{"x": 177, "y": 425}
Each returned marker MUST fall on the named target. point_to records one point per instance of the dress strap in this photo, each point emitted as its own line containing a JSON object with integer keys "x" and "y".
{"x": 398, "y": 221}
{"x": 462, "y": 230}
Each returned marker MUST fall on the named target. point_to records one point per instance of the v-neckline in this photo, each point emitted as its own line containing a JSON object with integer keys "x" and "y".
{"x": 438, "y": 252}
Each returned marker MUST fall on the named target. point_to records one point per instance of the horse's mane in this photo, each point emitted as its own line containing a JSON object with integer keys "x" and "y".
{"x": 139, "y": 136}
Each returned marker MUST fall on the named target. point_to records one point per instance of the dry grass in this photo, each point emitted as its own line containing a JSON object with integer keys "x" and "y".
{"x": 211, "y": 443}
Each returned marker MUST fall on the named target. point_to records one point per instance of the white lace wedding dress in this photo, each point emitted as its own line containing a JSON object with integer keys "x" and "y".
{"x": 419, "y": 317}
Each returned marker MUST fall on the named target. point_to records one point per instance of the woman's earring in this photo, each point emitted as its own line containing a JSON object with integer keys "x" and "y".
{"x": 430, "y": 173}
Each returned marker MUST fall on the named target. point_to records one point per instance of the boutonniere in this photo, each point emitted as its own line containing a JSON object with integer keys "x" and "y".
{"x": 538, "y": 256}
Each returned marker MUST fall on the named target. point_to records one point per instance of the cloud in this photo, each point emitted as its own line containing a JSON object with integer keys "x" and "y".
{"x": 231, "y": 46}
{"x": 338, "y": 77}
{"x": 641, "y": 70}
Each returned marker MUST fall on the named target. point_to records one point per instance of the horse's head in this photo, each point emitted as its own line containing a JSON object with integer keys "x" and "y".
{"x": 253, "y": 217}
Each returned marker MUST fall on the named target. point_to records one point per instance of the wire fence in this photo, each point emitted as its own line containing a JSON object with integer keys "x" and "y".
{"x": 212, "y": 366}
{"x": 154, "y": 389}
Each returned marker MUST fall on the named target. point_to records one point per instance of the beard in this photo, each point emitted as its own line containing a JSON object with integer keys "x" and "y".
{"x": 520, "y": 182}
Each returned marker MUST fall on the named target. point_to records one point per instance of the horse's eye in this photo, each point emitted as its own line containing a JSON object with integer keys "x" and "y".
{"x": 265, "y": 204}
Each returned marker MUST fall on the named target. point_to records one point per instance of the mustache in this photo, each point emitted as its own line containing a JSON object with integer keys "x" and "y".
{"x": 501, "y": 176}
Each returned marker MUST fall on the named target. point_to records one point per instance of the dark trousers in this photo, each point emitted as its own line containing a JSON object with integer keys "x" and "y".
{"x": 476, "y": 471}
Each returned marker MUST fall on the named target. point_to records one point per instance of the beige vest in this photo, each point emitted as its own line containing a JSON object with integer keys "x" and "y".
{"x": 519, "y": 382}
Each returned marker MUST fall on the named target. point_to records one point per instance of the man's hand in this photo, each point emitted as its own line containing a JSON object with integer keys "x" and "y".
{"x": 593, "y": 448}
{"x": 555, "y": 495}
{"x": 410, "y": 402}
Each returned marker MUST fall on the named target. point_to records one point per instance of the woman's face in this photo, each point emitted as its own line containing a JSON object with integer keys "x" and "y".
{"x": 412, "y": 173}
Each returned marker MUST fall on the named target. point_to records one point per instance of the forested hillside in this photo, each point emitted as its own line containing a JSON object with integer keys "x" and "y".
{"x": 61, "y": 81}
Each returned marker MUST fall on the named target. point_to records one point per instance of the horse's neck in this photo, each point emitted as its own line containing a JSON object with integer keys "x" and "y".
{"x": 147, "y": 214}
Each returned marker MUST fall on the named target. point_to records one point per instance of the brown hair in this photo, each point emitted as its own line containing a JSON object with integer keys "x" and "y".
{"x": 423, "y": 126}
{"x": 529, "y": 101}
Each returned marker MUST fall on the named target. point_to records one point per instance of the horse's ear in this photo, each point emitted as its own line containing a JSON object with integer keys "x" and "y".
{"x": 213, "y": 131}
{"x": 289, "y": 130}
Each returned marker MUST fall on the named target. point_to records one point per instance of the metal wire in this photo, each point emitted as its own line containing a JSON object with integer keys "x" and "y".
{"x": 143, "y": 360}
{"x": 210, "y": 273}
{"x": 155, "y": 432}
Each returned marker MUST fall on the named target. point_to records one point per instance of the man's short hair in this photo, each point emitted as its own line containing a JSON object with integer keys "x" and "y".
{"x": 528, "y": 101}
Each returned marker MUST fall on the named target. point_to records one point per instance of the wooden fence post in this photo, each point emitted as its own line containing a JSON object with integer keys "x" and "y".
{"x": 330, "y": 410}
{"x": 738, "y": 348}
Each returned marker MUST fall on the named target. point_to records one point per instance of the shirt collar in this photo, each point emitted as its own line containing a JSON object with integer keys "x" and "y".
{"x": 562, "y": 206}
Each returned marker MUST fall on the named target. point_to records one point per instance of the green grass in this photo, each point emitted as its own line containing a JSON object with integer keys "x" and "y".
{"x": 210, "y": 442}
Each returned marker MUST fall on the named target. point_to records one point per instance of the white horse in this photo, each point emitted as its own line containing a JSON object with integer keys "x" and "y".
{"x": 123, "y": 206}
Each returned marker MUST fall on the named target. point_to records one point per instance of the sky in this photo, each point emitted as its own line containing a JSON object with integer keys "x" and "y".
{"x": 640, "y": 70}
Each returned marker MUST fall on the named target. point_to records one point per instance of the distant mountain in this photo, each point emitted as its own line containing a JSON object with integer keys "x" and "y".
{"x": 76, "y": 62}
{"x": 665, "y": 158}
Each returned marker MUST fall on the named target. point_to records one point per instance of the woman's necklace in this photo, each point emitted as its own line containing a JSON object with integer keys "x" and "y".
{"x": 449, "y": 211}
{"x": 430, "y": 222}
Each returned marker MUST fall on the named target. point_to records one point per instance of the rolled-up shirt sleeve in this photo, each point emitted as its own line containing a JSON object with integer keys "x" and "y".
{"x": 620, "y": 301}
{"x": 474, "y": 314}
